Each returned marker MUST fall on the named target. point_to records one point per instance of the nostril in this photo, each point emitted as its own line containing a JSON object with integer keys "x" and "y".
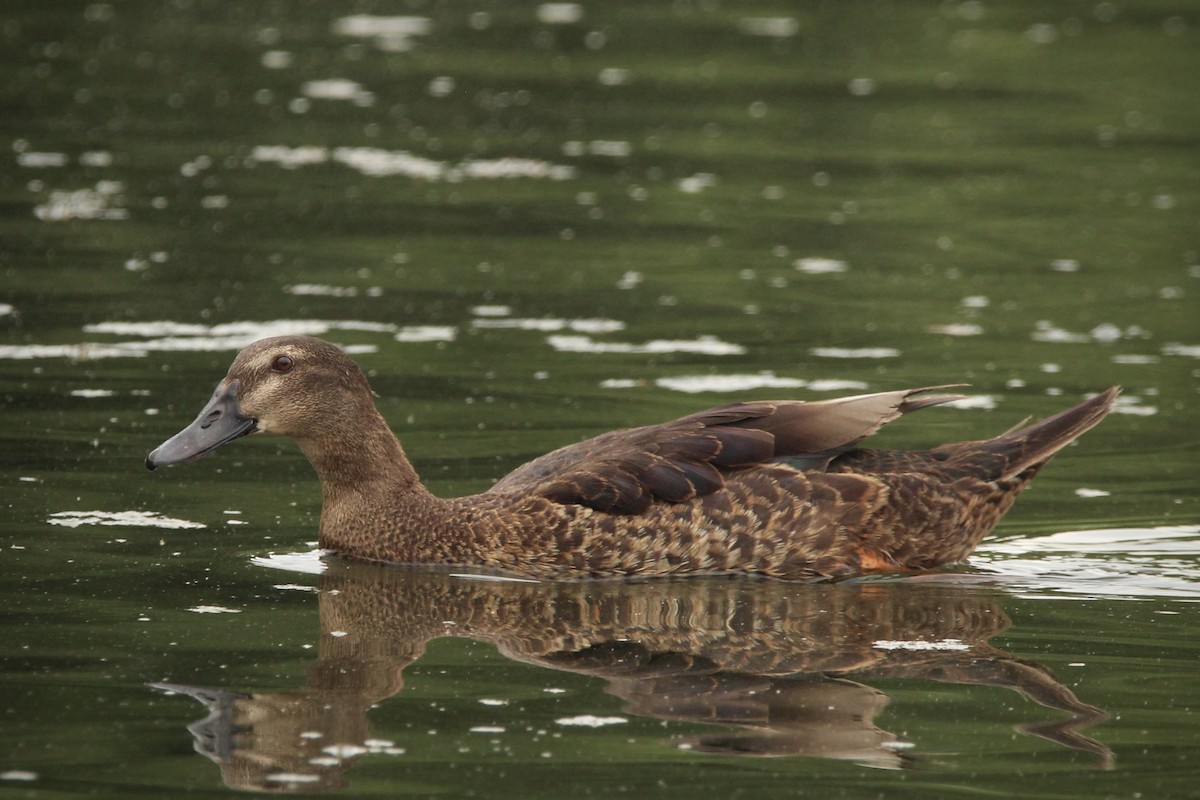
{"x": 212, "y": 417}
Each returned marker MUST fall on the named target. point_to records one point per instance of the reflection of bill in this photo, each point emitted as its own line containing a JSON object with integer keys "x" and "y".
{"x": 782, "y": 668}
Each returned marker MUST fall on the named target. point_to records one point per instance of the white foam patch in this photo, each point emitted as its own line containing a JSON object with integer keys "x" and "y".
{"x": 956, "y": 329}
{"x": 96, "y": 158}
{"x": 76, "y": 352}
{"x": 694, "y": 384}
{"x": 18, "y": 775}
{"x": 1045, "y": 331}
{"x": 292, "y": 777}
{"x": 290, "y": 157}
{"x": 1162, "y": 539}
{"x": 99, "y": 203}
{"x": 614, "y": 76}
{"x": 214, "y": 610}
{"x": 860, "y": 352}
{"x": 276, "y": 59}
{"x": 705, "y": 345}
{"x": 395, "y": 34}
{"x": 1104, "y": 333}
{"x": 1177, "y": 349}
{"x": 491, "y": 311}
{"x": 345, "y": 750}
{"x": 427, "y": 333}
{"x": 559, "y": 13}
{"x": 815, "y": 265}
{"x": 550, "y": 324}
{"x": 36, "y": 160}
{"x": 510, "y": 168}
{"x": 1129, "y": 404}
{"x": 694, "y": 184}
{"x": 168, "y": 336}
{"x": 377, "y": 162}
{"x": 1120, "y": 563}
{"x": 378, "y": 744}
{"x": 590, "y": 721}
{"x": 155, "y": 328}
{"x": 987, "y": 402}
{"x": 246, "y": 330}
{"x": 133, "y": 519}
{"x": 324, "y": 290}
{"x": 835, "y": 385}
{"x": 309, "y": 563}
{"x": 367, "y": 25}
{"x": 630, "y": 280}
{"x": 338, "y": 89}
{"x": 598, "y": 147}
{"x": 920, "y": 645}
{"x": 770, "y": 27}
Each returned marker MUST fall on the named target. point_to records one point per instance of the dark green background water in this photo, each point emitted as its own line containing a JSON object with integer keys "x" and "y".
{"x": 537, "y": 223}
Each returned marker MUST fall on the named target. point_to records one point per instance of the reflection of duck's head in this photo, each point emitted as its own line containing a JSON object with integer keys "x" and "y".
{"x": 272, "y": 742}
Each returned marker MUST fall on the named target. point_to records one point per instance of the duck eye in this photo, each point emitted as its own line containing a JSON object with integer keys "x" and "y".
{"x": 282, "y": 364}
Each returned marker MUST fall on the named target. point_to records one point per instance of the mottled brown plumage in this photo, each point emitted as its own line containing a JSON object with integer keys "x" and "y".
{"x": 778, "y": 488}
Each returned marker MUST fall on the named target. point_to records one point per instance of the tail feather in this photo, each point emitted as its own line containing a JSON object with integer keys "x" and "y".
{"x": 1030, "y": 446}
{"x": 917, "y": 399}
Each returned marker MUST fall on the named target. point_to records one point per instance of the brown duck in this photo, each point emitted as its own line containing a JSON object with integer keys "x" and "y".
{"x": 776, "y": 488}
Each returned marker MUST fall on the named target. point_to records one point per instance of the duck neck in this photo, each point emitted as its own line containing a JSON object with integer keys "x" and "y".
{"x": 371, "y": 493}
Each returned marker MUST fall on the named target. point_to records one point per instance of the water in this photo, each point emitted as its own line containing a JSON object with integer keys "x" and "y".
{"x": 536, "y": 223}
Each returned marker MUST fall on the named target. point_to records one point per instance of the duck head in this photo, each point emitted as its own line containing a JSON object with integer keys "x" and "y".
{"x": 294, "y": 386}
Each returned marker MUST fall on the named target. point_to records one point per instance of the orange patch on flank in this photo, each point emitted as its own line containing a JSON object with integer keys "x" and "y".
{"x": 873, "y": 562}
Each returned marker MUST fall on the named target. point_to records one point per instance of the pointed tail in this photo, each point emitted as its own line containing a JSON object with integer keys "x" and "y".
{"x": 1028, "y": 447}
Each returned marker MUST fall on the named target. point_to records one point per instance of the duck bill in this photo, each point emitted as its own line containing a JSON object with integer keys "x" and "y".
{"x": 221, "y": 421}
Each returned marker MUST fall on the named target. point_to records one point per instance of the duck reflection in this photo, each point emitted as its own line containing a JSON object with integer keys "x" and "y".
{"x": 782, "y": 669}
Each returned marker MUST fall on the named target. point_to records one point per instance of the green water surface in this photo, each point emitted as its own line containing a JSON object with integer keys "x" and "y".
{"x": 534, "y": 223}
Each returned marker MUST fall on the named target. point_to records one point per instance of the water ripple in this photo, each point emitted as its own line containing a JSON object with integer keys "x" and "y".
{"x": 1116, "y": 563}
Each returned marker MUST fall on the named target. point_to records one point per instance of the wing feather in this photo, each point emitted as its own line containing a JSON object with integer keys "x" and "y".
{"x": 623, "y": 472}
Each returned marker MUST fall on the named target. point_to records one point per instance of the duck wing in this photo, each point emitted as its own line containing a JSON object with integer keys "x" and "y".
{"x": 623, "y": 472}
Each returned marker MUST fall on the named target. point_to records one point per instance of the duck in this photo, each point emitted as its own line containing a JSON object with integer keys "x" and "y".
{"x": 780, "y": 489}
